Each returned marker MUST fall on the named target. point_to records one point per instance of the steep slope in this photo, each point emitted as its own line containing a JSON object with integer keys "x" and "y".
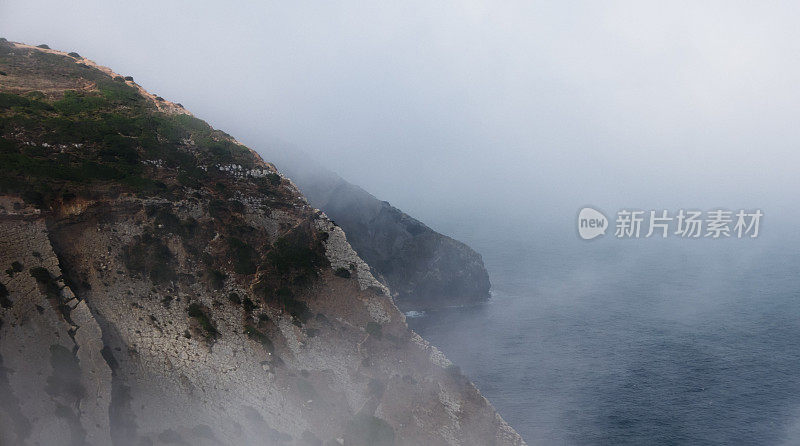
{"x": 164, "y": 285}
{"x": 423, "y": 268}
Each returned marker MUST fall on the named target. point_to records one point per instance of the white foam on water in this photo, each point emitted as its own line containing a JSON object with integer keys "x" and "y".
{"x": 413, "y": 314}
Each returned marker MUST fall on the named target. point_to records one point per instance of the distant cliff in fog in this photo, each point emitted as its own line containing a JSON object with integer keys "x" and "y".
{"x": 423, "y": 268}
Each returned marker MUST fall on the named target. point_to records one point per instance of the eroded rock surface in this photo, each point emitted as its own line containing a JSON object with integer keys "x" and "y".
{"x": 161, "y": 284}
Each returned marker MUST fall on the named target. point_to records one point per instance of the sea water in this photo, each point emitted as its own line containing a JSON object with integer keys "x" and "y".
{"x": 634, "y": 341}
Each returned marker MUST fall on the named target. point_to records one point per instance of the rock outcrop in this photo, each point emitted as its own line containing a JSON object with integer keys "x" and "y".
{"x": 423, "y": 268}
{"x": 161, "y": 284}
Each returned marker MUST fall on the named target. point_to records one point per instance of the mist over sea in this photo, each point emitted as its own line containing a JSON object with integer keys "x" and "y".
{"x": 635, "y": 341}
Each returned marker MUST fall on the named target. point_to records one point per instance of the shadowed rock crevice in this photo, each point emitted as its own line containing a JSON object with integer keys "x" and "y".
{"x": 122, "y": 428}
{"x": 9, "y": 403}
{"x": 67, "y": 390}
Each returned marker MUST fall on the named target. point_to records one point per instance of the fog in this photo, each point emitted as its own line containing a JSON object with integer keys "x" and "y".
{"x": 490, "y": 119}
{"x": 514, "y": 112}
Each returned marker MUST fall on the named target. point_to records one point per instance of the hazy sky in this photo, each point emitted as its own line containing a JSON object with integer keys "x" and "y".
{"x": 449, "y": 109}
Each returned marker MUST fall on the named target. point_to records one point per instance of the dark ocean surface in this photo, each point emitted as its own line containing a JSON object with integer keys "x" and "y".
{"x": 635, "y": 342}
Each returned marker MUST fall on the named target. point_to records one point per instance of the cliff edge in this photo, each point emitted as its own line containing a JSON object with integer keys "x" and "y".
{"x": 423, "y": 268}
{"x": 161, "y": 284}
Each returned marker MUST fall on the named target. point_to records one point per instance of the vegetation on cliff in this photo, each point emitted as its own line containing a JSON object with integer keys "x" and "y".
{"x": 165, "y": 266}
{"x": 101, "y": 136}
{"x": 103, "y": 139}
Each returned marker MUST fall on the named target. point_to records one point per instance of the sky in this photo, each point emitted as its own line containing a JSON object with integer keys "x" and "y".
{"x": 486, "y": 118}
{"x": 477, "y": 111}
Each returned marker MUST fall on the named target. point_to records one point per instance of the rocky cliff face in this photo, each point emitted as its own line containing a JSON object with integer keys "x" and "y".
{"x": 161, "y": 284}
{"x": 423, "y": 268}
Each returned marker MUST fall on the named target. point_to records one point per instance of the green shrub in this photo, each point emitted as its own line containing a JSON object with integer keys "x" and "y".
{"x": 191, "y": 178}
{"x": 149, "y": 255}
{"x": 296, "y": 308}
{"x": 248, "y": 305}
{"x": 119, "y": 93}
{"x": 38, "y": 96}
{"x": 296, "y": 253}
{"x": 16, "y": 267}
{"x": 218, "y": 209}
{"x": 43, "y": 46}
{"x": 342, "y": 272}
{"x": 21, "y": 103}
{"x": 273, "y": 178}
{"x": 217, "y": 278}
{"x": 75, "y": 55}
{"x": 119, "y": 149}
{"x": 35, "y": 151}
{"x": 259, "y": 337}
{"x": 244, "y": 256}
{"x": 198, "y": 313}
{"x": 74, "y": 103}
{"x": 33, "y": 197}
{"x": 5, "y": 302}
{"x": 42, "y": 275}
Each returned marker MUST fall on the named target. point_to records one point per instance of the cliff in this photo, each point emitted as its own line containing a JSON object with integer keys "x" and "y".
{"x": 423, "y": 268}
{"x": 161, "y": 284}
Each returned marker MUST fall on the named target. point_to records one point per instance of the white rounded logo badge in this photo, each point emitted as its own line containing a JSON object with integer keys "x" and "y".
{"x": 591, "y": 223}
